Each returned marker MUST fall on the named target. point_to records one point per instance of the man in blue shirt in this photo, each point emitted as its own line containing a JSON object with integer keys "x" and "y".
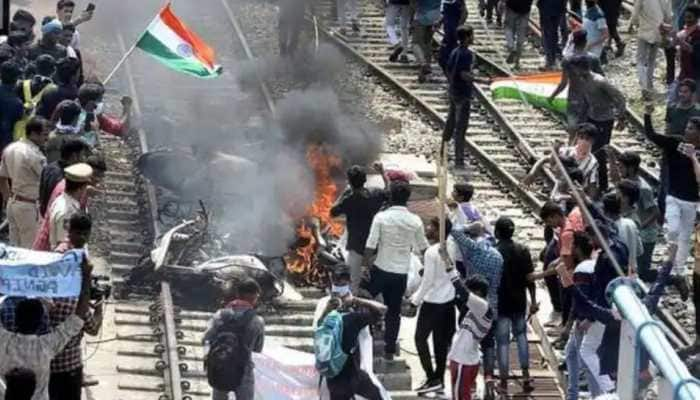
{"x": 11, "y": 108}
{"x": 458, "y": 70}
{"x": 551, "y": 13}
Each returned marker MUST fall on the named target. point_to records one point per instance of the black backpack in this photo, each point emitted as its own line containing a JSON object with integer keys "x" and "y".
{"x": 229, "y": 355}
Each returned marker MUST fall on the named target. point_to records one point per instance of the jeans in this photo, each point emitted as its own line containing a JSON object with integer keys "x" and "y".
{"x": 438, "y": 320}
{"x": 392, "y": 287}
{"x": 611, "y": 9}
{"x": 488, "y": 349}
{"x": 589, "y": 354}
{"x": 644, "y": 263}
{"x": 552, "y": 282}
{"x": 347, "y": 5}
{"x": 603, "y": 139}
{"x": 680, "y": 223}
{"x": 504, "y": 325}
{"x": 573, "y": 365}
{"x": 457, "y": 124}
{"x": 392, "y": 12}
{"x": 646, "y": 62}
{"x": 423, "y": 44}
{"x": 550, "y": 36}
{"x": 516, "y": 30}
{"x": 66, "y": 385}
{"x": 354, "y": 261}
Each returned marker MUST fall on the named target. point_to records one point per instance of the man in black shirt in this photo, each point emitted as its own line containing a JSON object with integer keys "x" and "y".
{"x": 11, "y": 109}
{"x": 512, "y": 301}
{"x": 682, "y": 197}
{"x": 73, "y": 151}
{"x": 48, "y": 44}
{"x": 359, "y": 205}
{"x": 66, "y": 78}
{"x": 357, "y": 315}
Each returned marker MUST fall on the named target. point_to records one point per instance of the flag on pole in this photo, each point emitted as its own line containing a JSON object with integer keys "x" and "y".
{"x": 534, "y": 89}
{"x": 172, "y": 43}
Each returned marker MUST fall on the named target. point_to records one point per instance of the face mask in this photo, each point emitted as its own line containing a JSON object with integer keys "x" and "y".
{"x": 340, "y": 291}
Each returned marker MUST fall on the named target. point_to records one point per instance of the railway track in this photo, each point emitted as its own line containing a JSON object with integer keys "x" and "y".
{"x": 497, "y": 159}
{"x": 505, "y": 136}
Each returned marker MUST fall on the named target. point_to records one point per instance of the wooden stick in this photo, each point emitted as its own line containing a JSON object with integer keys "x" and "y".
{"x": 442, "y": 189}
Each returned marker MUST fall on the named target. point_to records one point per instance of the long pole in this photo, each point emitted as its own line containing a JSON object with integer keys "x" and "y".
{"x": 132, "y": 48}
{"x": 442, "y": 189}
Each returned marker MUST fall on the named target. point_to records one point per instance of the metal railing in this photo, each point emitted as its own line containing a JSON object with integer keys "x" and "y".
{"x": 640, "y": 331}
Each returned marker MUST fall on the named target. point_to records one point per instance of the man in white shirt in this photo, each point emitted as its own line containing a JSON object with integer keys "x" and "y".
{"x": 394, "y": 234}
{"x": 77, "y": 176}
{"x": 649, "y": 16}
{"x": 436, "y": 317}
{"x": 26, "y": 349}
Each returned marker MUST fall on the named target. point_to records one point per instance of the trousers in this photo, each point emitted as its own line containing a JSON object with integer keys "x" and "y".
{"x": 646, "y": 63}
{"x": 289, "y": 31}
{"x": 457, "y": 124}
{"x": 423, "y": 44}
{"x": 439, "y": 321}
{"x": 392, "y": 12}
{"x": 463, "y": 379}
{"x": 66, "y": 385}
{"x": 550, "y": 36}
{"x": 504, "y": 326}
{"x": 392, "y": 288}
{"x": 23, "y": 220}
{"x": 360, "y": 384}
{"x": 354, "y": 261}
{"x": 589, "y": 354}
{"x": 516, "y": 30}
{"x": 680, "y": 222}
{"x": 574, "y": 364}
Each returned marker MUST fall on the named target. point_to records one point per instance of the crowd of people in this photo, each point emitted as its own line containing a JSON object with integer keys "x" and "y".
{"x": 498, "y": 271}
{"x": 472, "y": 292}
{"x": 51, "y": 167}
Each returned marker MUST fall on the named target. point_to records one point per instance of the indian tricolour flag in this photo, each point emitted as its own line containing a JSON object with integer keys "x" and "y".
{"x": 169, "y": 41}
{"x": 533, "y": 89}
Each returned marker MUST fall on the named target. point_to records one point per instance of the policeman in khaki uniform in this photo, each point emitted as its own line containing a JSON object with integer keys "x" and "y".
{"x": 21, "y": 165}
{"x": 78, "y": 177}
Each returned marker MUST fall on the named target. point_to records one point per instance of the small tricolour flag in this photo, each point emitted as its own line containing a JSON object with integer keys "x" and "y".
{"x": 533, "y": 89}
{"x": 172, "y": 43}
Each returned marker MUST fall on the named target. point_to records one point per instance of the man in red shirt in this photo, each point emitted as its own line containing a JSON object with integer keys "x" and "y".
{"x": 688, "y": 41}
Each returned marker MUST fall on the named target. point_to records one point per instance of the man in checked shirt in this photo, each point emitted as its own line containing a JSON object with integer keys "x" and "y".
{"x": 66, "y": 379}
{"x": 485, "y": 260}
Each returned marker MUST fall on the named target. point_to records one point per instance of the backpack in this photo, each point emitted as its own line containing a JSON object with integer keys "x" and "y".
{"x": 328, "y": 339}
{"x": 229, "y": 355}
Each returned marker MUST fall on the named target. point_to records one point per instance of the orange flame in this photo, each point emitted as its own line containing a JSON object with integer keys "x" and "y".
{"x": 301, "y": 261}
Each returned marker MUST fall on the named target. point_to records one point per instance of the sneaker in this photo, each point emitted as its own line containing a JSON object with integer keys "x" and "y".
{"x": 355, "y": 26}
{"x": 395, "y": 54}
{"x": 527, "y": 385}
{"x": 511, "y": 57}
{"x": 430, "y": 385}
{"x": 342, "y": 32}
{"x": 403, "y": 59}
{"x": 388, "y": 356}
